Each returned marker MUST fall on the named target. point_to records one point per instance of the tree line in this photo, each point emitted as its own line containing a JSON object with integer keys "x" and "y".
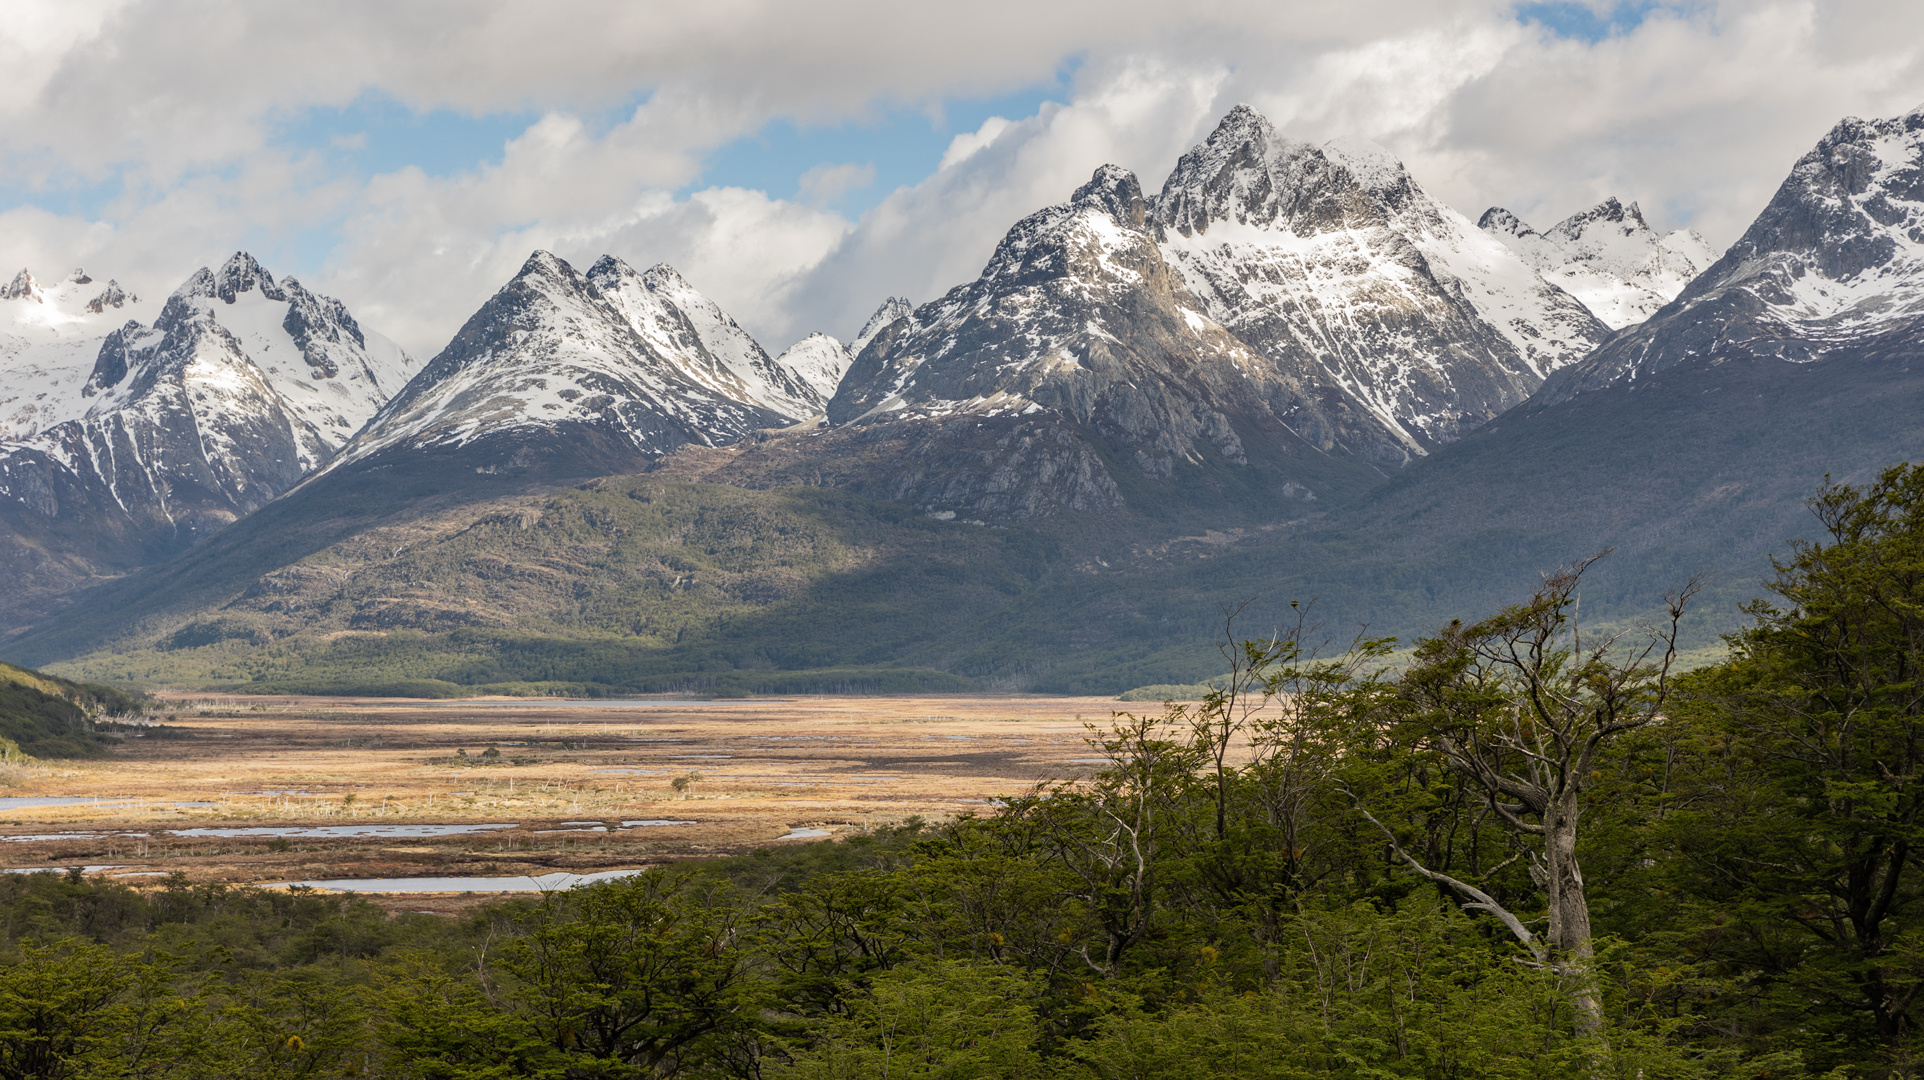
{"x": 1532, "y": 850}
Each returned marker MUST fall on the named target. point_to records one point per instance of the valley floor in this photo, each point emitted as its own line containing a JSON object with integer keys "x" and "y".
{"x": 347, "y": 788}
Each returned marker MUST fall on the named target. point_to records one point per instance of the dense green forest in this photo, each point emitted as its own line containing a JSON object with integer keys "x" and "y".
{"x": 1529, "y": 851}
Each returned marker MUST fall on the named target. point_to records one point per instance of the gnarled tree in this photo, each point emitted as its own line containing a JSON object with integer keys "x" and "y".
{"x": 1522, "y": 708}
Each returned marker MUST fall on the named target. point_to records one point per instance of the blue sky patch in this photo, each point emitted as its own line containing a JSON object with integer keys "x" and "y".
{"x": 902, "y": 145}
{"x": 376, "y": 134}
{"x": 1584, "y": 22}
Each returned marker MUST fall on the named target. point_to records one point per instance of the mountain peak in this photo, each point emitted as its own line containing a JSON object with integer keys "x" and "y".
{"x": 24, "y": 286}
{"x": 1606, "y": 256}
{"x": 111, "y": 296}
{"x": 541, "y": 263}
{"x": 891, "y": 309}
{"x": 662, "y": 275}
{"x": 1498, "y": 220}
{"x": 1371, "y": 164}
{"x": 1832, "y": 266}
{"x": 241, "y": 273}
{"x": 818, "y": 361}
{"x": 1116, "y": 191}
{"x": 1609, "y": 211}
{"x": 610, "y": 264}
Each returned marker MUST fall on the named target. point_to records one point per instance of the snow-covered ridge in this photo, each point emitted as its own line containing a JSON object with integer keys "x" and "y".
{"x": 1608, "y": 257}
{"x": 735, "y": 364}
{"x": 49, "y": 336}
{"x": 323, "y": 369}
{"x": 1834, "y": 265}
{"x": 1075, "y": 316}
{"x": 641, "y": 358}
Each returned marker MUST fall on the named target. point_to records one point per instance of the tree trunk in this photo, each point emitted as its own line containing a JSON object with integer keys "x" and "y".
{"x": 1569, "y": 935}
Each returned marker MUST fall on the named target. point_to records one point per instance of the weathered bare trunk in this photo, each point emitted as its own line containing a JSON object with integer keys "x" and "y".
{"x": 1569, "y": 935}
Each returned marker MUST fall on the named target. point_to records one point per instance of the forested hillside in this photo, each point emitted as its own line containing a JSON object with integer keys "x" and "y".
{"x": 46, "y": 716}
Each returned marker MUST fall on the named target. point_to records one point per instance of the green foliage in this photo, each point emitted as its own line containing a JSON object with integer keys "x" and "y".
{"x": 44, "y": 715}
{"x": 947, "y": 1020}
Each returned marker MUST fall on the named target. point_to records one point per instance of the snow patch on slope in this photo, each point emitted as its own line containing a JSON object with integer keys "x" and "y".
{"x": 49, "y": 336}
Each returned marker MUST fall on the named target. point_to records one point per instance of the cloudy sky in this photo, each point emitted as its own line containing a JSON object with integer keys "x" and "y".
{"x": 798, "y": 161}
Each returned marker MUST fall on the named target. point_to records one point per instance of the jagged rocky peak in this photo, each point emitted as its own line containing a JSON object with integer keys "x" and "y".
{"x": 1116, "y": 191}
{"x": 113, "y": 296}
{"x": 240, "y": 387}
{"x": 1500, "y": 221}
{"x": 1832, "y": 267}
{"x": 22, "y": 287}
{"x": 1628, "y": 219}
{"x": 241, "y": 273}
{"x": 312, "y": 360}
{"x": 1408, "y": 324}
{"x": 1248, "y": 173}
{"x": 79, "y": 277}
{"x": 1244, "y": 172}
{"x": 1075, "y": 341}
{"x": 1852, "y": 206}
{"x": 702, "y": 339}
{"x": 895, "y": 307}
{"x": 1607, "y": 256}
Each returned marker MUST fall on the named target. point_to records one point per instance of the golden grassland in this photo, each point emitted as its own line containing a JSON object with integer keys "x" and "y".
{"x": 564, "y": 776}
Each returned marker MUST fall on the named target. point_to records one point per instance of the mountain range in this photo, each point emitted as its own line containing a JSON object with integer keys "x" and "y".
{"x": 1289, "y": 374}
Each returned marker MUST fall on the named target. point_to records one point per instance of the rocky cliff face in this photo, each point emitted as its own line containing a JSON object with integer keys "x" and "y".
{"x": 600, "y": 372}
{"x": 1077, "y": 339}
{"x": 895, "y": 307}
{"x": 1409, "y": 325}
{"x": 1608, "y": 257}
{"x": 1832, "y": 268}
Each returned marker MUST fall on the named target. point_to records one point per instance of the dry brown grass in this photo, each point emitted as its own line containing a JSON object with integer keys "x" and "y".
{"x": 765, "y": 766}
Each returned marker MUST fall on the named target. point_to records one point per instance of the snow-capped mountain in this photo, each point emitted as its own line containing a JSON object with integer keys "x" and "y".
{"x": 1608, "y": 257}
{"x": 49, "y": 336}
{"x": 1832, "y": 268}
{"x": 1314, "y": 299}
{"x": 1339, "y": 268}
{"x": 316, "y": 364}
{"x": 1076, "y": 333}
{"x": 239, "y": 387}
{"x": 605, "y": 370}
{"x": 819, "y": 361}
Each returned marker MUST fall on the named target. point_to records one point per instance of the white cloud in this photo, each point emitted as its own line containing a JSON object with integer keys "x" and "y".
{"x": 171, "y": 109}
{"x": 826, "y": 183}
{"x": 967, "y": 143}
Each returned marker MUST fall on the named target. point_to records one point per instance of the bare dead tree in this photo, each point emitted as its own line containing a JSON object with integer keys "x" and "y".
{"x": 1520, "y": 707}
